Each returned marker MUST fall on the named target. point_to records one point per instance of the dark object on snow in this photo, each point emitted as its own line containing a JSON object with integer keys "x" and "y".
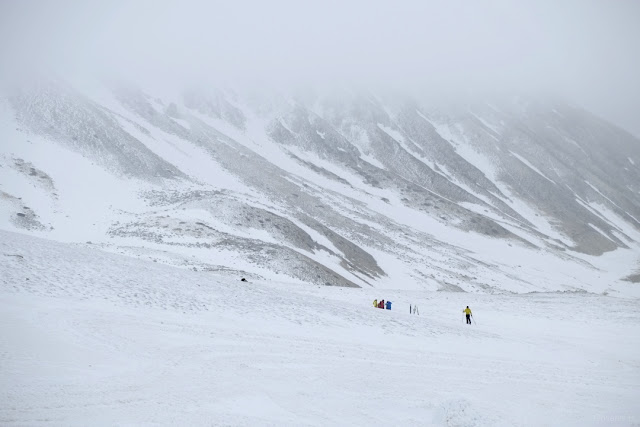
{"x": 243, "y": 280}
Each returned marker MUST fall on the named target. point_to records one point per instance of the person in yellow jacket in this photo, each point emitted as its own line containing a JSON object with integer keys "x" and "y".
{"x": 375, "y": 303}
{"x": 467, "y": 311}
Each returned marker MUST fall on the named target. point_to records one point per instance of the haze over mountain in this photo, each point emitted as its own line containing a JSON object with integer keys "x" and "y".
{"x": 582, "y": 50}
{"x": 340, "y": 188}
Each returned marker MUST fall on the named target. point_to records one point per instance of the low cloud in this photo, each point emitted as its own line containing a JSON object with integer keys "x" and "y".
{"x": 583, "y": 50}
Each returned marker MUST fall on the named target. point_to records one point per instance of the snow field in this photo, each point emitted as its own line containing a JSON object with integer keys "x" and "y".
{"x": 93, "y": 338}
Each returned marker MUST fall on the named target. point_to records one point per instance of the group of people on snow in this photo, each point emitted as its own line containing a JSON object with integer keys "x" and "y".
{"x": 413, "y": 309}
{"x": 382, "y": 304}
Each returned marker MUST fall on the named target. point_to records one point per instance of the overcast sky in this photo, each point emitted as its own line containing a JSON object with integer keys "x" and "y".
{"x": 587, "y": 51}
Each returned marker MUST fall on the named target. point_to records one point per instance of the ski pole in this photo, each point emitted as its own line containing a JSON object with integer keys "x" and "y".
{"x": 474, "y": 320}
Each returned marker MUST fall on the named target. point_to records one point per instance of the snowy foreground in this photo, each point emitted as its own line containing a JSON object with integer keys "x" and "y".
{"x": 92, "y": 338}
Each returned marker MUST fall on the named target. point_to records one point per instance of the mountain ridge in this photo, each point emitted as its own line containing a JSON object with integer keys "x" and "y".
{"x": 346, "y": 192}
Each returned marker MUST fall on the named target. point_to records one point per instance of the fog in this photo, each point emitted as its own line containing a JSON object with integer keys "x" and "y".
{"x": 585, "y": 51}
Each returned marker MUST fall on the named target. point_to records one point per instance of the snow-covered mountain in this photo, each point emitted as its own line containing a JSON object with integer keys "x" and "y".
{"x": 338, "y": 188}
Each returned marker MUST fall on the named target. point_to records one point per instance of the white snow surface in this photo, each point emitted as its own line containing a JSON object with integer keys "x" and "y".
{"x": 90, "y": 337}
{"x": 93, "y": 338}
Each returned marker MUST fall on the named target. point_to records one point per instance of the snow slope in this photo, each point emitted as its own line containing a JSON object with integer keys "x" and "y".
{"x": 93, "y": 338}
{"x": 347, "y": 191}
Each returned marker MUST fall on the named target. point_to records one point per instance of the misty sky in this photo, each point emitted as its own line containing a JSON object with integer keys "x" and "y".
{"x": 586, "y": 51}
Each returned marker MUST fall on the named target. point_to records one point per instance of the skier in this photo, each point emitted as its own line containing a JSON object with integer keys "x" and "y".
{"x": 467, "y": 311}
{"x": 375, "y": 303}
